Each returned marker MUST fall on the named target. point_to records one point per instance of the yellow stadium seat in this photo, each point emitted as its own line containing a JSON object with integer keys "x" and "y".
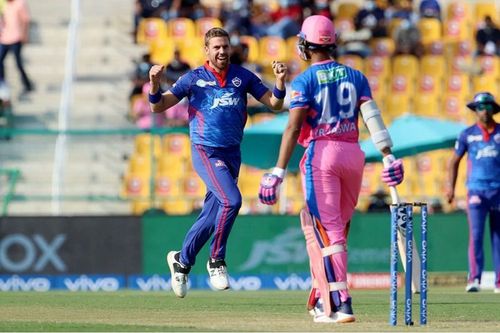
{"x": 429, "y": 85}
{"x": 383, "y": 46}
{"x": 434, "y": 65}
{"x": 146, "y": 143}
{"x": 181, "y": 28}
{"x": 176, "y": 144}
{"x": 371, "y": 179}
{"x": 484, "y": 83}
{"x": 426, "y": 105}
{"x": 454, "y": 108}
{"x": 167, "y": 186}
{"x": 150, "y": 30}
{"x": 378, "y": 66}
{"x": 352, "y": 60}
{"x": 162, "y": 51}
{"x": 402, "y": 85}
{"x": 455, "y": 31}
{"x": 485, "y": 8}
{"x": 406, "y": 65}
{"x": 458, "y": 85}
{"x": 347, "y": 10}
{"x": 192, "y": 51}
{"x": 396, "y": 105}
{"x": 271, "y": 48}
{"x": 459, "y": 10}
{"x": 379, "y": 89}
{"x": 193, "y": 186}
{"x": 138, "y": 207}
{"x": 174, "y": 165}
{"x": 140, "y": 164}
{"x": 430, "y": 30}
{"x": 490, "y": 66}
{"x": 253, "y": 47}
{"x": 203, "y": 24}
{"x": 136, "y": 185}
{"x": 178, "y": 206}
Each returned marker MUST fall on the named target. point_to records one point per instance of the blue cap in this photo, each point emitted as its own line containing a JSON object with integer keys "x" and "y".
{"x": 484, "y": 98}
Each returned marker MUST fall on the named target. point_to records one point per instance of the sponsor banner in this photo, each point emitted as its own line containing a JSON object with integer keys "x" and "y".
{"x": 275, "y": 244}
{"x": 70, "y": 245}
{"x": 62, "y": 282}
{"x": 161, "y": 283}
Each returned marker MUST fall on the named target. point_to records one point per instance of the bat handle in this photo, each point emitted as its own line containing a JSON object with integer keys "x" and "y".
{"x": 394, "y": 195}
{"x": 392, "y": 189}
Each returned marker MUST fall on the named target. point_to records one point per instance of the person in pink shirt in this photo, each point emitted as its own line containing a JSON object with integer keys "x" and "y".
{"x": 14, "y": 28}
{"x": 327, "y": 100}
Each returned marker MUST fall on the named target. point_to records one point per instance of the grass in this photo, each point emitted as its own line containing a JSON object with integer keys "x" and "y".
{"x": 449, "y": 309}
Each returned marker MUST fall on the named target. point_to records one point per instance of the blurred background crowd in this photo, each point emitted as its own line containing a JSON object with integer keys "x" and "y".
{"x": 426, "y": 57}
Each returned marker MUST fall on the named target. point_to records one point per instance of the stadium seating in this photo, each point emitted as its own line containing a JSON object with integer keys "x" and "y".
{"x": 181, "y": 29}
{"x": 176, "y": 144}
{"x": 347, "y": 10}
{"x": 378, "y": 66}
{"x": 434, "y": 65}
{"x": 150, "y": 29}
{"x": 203, "y": 24}
{"x": 145, "y": 143}
{"x": 483, "y": 9}
{"x": 253, "y": 48}
{"x": 161, "y": 51}
{"x": 430, "y": 30}
{"x": 353, "y": 61}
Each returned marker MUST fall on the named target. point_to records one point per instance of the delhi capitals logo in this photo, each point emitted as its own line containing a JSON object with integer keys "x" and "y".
{"x": 236, "y": 81}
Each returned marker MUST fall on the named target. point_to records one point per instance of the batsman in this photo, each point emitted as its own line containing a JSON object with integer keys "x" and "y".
{"x": 326, "y": 101}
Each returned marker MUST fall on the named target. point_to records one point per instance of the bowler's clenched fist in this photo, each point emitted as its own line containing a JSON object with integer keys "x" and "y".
{"x": 155, "y": 74}
{"x": 279, "y": 69}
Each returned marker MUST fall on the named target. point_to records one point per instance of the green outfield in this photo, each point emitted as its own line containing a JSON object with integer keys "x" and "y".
{"x": 450, "y": 309}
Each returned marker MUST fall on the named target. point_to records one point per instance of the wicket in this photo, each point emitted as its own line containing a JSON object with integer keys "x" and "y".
{"x": 402, "y": 217}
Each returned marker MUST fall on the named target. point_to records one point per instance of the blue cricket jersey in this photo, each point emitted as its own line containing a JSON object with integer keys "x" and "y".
{"x": 483, "y": 157}
{"x": 218, "y": 103}
{"x": 332, "y": 93}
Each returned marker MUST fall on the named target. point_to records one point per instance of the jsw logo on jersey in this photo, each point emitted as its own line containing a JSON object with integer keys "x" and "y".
{"x": 225, "y": 100}
{"x": 488, "y": 151}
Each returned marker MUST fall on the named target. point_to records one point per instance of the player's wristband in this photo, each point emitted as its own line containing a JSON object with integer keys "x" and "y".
{"x": 279, "y": 172}
{"x": 155, "y": 98}
{"x": 279, "y": 94}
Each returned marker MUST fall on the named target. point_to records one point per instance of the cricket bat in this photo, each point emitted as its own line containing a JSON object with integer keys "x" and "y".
{"x": 415, "y": 281}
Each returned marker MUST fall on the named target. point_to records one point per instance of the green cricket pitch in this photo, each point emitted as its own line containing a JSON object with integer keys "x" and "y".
{"x": 449, "y": 310}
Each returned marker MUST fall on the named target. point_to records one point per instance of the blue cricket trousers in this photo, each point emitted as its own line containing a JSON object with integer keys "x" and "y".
{"x": 480, "y": 205}
{"x": 219, "y": 169}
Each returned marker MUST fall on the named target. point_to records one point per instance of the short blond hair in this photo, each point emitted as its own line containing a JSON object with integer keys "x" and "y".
{"x": 215, "y": 32}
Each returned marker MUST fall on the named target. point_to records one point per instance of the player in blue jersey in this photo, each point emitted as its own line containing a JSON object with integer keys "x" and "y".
{"x": 481, "y": 142}
{"x": 326, "y": 102}
{"x": 217, "y": 93}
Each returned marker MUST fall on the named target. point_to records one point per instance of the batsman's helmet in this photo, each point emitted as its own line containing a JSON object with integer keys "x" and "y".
{"x": 483, "y": 98}
{"x": 317, "y": 32}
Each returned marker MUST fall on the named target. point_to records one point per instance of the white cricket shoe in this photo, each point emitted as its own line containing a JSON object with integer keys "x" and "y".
{"x": 344, "y": 313}
{"x": 217, "y": 271}
{"x": 473, "y": 286}
{"x": 179, "y": 274}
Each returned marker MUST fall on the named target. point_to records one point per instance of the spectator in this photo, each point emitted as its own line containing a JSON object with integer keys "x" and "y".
{"x": 286, "y": 20}
{"x": 147, "y": 9}
{"x": 430, "y": 9}
{"x": 176, "y": 68}
{"x": 408, "y": 39}
{"x": 141, "y": 74}
{"x": 488, "y": 38}
{"x": 378, "y": 201}
{"x": 141, "y": 112}
{"x": 14, "y": 30}
{"x": 237, "y": 18}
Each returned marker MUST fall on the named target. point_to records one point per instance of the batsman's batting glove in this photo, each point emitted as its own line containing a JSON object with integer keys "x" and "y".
{"x": 270, "y": 185}
{"x": 394, "y": 173}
